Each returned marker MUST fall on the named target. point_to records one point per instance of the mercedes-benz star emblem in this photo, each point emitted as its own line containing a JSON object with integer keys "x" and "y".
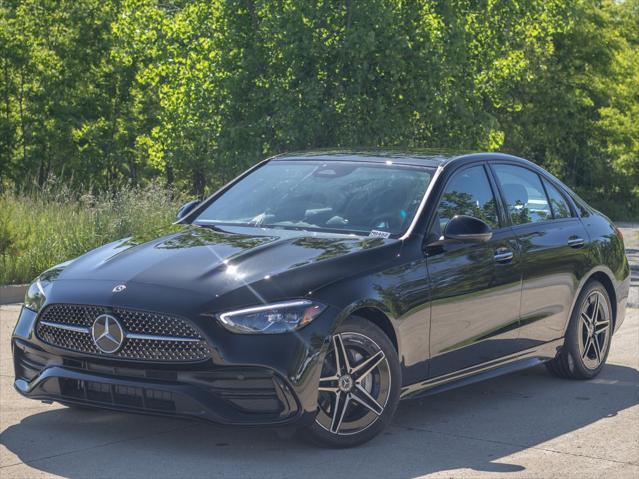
{"x": 119, "y": 288}
{"x": 107, "y": 333}
{"x": 345, "y": 383}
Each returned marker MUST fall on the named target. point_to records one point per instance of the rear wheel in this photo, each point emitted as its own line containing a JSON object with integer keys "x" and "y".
{"x": 359, "y": 386}
{"x": 588, "y": 336}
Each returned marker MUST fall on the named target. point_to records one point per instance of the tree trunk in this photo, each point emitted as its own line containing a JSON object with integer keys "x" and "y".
{"x": 170, "y": 178}
{"x": 23, "y": 127}
{"x": 7, "y": 100}
{"x": 199, "y": 181}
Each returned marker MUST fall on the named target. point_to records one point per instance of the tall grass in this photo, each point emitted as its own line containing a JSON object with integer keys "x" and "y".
{"x": 41, "y": 229}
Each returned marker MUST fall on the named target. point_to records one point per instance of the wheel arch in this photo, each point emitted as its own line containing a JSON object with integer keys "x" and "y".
{"x": 377, "y": 313}
{"x": 380, "y": 319}
{"x": 605, "y": 278}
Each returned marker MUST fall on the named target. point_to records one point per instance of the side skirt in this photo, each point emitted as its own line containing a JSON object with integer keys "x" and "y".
{"x": 508, "y": 364}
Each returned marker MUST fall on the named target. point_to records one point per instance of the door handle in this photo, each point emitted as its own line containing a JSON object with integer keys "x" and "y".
{"x": 576, "y": 242}
{"x": 503, "y": 255}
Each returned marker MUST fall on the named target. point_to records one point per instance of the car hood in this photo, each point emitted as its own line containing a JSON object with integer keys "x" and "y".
{"x": 264, "y": 264}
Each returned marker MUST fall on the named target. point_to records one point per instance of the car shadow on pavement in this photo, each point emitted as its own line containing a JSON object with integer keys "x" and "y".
{"x": 476, "y": 427}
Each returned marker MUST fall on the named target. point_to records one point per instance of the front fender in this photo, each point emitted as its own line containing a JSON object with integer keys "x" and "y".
{"x": 401, "y": 293}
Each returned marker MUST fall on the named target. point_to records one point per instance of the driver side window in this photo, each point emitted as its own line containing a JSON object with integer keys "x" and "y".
{"x": 468, "y": 193}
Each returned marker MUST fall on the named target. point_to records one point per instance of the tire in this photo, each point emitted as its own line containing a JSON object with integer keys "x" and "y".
{"x": 366, "y": 392}
{"x": 587, "y": 341}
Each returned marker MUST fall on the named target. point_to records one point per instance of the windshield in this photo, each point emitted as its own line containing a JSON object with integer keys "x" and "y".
{"x": 348, "y": 197}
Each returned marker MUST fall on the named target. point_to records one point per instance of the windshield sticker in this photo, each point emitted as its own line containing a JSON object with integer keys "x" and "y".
{"x": 379, "y": 234}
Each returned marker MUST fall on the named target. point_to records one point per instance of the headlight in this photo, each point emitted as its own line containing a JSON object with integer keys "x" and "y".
{"x": 35, "y": 296}
{"x": 272, "y": 318}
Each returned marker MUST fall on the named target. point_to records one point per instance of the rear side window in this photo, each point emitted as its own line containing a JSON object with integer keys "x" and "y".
{"x": 468, "y": 193}
{"x": 558, "y": 203}
{"x": 525, "y": 196}
{"x": 584, "y": 212}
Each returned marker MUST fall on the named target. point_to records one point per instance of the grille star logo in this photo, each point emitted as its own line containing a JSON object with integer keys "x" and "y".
{"x": 107, "y": 333}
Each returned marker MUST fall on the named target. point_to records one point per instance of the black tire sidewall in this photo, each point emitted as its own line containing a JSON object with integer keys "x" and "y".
{"x": 325, "y": 438}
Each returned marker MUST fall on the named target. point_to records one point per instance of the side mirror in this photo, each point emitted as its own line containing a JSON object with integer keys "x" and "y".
{"x": 186, "y": 208}
{"x": 467, "y": 228}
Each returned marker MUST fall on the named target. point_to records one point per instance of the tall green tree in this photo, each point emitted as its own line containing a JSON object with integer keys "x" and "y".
{"x": 100, "y": 93}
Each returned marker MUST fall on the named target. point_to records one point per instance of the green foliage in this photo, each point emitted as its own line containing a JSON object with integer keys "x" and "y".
{"x": 578, "y": 118}
{"x": 102, "y": 93}
{"x": 39, "y": 230}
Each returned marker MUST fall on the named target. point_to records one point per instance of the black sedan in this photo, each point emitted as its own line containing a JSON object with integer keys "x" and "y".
{"x": 318, "y": 289}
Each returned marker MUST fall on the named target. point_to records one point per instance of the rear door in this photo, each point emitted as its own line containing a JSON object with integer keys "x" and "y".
{"x": 475, "y": 287}
{"x": 551, "y": 238}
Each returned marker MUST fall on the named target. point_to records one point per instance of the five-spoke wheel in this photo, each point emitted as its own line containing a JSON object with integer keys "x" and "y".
{"x": 588, "y": 336}
{"x": 595, "y": 329}
{"x": 359, "y": 385}
{"x": 354, "y": 386}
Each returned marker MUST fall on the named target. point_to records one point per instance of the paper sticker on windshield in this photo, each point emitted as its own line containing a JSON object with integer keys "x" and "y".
{"x": 379, "y": 234}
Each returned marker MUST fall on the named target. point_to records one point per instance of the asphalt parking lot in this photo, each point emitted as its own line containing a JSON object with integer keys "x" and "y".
{"x": 527, "y": 424}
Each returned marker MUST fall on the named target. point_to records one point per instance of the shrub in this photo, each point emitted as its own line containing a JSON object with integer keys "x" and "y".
{"x": 41, "y": 229}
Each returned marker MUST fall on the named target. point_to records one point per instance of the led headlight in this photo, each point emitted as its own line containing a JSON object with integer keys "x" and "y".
{"x": 272, "y": 318}
{"x": 35, "y": 296}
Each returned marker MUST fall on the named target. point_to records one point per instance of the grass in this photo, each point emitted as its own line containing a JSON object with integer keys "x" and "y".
{"x": 39, "y": 230}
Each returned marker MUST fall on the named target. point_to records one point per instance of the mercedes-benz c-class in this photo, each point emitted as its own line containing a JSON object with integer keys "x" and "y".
{"x": 316, "y": 290}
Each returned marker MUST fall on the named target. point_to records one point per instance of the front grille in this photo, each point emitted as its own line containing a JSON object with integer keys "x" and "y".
{"x": 116, "y": 395}
{"x": 248, "y": 390}
{"x": 148, "y": 336}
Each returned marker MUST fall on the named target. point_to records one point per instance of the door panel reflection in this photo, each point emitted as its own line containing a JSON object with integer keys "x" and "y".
{"x": 552, "y": 271}
{"x": 475, "y": 303}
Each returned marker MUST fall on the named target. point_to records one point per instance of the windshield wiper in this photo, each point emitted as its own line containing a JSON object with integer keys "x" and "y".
{"x": 285, "y": 227}
{"x": 317, "y": 229}
{"x": 208, "y": 225}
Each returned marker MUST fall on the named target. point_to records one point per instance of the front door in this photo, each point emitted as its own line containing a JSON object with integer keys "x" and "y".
{"x": 475, "y": 287}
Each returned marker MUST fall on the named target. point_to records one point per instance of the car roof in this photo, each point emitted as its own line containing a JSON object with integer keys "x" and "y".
{"x": 426, "y": 158}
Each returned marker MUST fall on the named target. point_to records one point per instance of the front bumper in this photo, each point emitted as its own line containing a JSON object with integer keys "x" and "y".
{"x": 249, "y": 380}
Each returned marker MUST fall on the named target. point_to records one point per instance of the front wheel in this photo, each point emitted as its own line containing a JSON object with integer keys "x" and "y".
{"x": 588, "y": 336}
{"x": 359, "y": 386}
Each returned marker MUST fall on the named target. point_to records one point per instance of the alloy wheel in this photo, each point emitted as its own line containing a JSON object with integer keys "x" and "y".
{"x": 354, "y": 386}
{"x": 595, "y": 324}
